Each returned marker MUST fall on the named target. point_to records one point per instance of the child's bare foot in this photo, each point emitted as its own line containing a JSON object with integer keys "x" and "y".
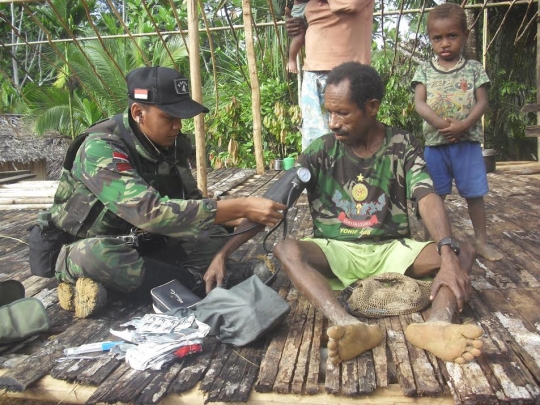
{"x": 292, "y": 67}
{"x": 488, "y": 252}
{"x": 348, "y": 341}
{"x": 449, "y": 342}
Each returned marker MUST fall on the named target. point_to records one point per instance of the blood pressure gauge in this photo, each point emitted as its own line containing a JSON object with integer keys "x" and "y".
{"x": 303, "y": 174}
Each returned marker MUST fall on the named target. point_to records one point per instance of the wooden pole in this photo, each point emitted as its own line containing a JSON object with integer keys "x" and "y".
{"x": 255, "y": 91}
{"x": 484, "y": 63}
{"x": 196, "y": 93}
{"x": 538, "y": 80}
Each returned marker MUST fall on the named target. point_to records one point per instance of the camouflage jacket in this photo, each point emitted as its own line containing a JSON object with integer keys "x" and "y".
{"x": 355, "y": 199}
{"x": 116, "y": 182}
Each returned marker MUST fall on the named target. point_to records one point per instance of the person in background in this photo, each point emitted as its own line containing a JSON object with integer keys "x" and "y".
{"x": 451, "y": 95}
{"x": 337, "y": 31}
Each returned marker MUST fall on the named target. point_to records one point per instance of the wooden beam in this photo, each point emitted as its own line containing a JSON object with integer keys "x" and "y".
{"x": 532, "y": 131}
{"x": 15, "y": 179}
{"x": 53, "y": 390}
{"x": 530, "y": 108}
{"x": 13, "y": 172}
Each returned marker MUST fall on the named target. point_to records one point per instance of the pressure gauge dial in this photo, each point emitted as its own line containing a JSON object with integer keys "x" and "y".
{"x": 303, "y": 174}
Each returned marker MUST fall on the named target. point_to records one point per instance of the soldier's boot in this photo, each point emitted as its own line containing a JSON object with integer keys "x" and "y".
{"x": 262, "y": 266}
{"x": 90, "y": 297}
{"x": 66, "y": 296}
{"x": 86, "y": 297}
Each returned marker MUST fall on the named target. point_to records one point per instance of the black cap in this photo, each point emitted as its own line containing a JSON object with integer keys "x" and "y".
{"x": 164, "y": 87}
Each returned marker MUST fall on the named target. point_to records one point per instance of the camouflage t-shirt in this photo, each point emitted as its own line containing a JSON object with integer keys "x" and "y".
{"x": 450, "y": 94}
{"x": 353, "y": 199}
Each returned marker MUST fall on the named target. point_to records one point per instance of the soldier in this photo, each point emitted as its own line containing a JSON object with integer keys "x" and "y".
{"x": 361, "y": 176}
{"x": 128, "y": 197}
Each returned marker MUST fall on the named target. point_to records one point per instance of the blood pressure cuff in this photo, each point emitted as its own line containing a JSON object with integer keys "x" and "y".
{"x": 21, "y": 319}
{"x": 244, "y": 313}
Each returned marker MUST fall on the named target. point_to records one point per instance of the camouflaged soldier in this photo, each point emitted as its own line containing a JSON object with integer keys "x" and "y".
{"x": 127, "y": 194}
{"x": 361, "y": 177}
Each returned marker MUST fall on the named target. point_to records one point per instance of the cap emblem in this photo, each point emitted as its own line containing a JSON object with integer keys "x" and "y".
{"x": 140, "y": 94}
{"x": 181, "y": 86}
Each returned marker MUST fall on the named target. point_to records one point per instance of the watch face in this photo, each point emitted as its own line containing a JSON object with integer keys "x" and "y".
{"x": 303, "y": 174}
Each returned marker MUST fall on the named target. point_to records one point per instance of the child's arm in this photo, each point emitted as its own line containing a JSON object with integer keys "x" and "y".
{"x": 424, "y": 110}
{"x": 457, "y": 128}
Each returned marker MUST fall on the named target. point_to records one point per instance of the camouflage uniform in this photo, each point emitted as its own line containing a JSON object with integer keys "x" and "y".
{"x": 119, "y": 182}
{"x": 354, "y": 199}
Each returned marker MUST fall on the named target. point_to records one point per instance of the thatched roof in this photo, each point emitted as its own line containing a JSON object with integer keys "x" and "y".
{"x": 19, "y": 144}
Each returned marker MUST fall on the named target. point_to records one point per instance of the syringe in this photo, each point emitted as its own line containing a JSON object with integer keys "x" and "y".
{"x": 91, "y": 347}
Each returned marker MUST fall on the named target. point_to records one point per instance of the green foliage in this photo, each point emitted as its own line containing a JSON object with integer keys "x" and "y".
{"x": 397, "y": 108}
{"x": 229, "y": 130}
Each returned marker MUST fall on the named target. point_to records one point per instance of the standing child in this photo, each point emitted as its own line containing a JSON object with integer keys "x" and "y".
{"x": 451, "y": 97}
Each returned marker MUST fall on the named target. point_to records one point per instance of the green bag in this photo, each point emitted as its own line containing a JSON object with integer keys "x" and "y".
{"x": 20, "y": 317}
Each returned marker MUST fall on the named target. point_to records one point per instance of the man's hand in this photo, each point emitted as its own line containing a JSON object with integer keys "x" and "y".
{"x": 264, "y": 211}
{"x": 454, "y": 277}
{"x": 294, "y": 25}
{"x": 215, "y": 274}
{"x": 455, "y": 131}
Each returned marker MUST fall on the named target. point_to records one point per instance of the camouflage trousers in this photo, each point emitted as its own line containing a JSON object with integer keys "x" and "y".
{"x": 120, "y": 267}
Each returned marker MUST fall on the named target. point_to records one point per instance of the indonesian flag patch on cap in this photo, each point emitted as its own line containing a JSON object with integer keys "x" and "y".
{"x": 140, "y": 94}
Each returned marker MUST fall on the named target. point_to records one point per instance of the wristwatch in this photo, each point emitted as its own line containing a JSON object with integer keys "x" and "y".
{"x": 454, "y": 245}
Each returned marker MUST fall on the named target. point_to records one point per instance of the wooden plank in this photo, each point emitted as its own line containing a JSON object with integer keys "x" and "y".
{"x": 400, "y": 354}
{"x": 424, "y": 374}
{"x": 16, "y": 178}
{"x": 302, "y": 362}
{"x": 194, "y": 367}
{"x": 504, "y": 370}
{"x": 292, "y": 347}
{"x": 236, "y": 378}
{"x": 332, "y": 381}
{"x": 379, "y": 356}
{"x": 272, "y": 358}
{"x": 40, "y": 363}
{"x": 13, "y": 172}
{"x": 349, "y": 378}
{"x": 524, "y": 336}
{"x": 367, "y": 382}
{"x": 530, "y": 108}
{"x": 216, "y": 365}
{"x": 312, "y": 378}
{"x": 156, "y": 389}
{"x": 532, "y": 131}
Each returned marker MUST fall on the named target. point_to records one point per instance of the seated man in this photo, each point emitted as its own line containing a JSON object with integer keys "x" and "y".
{"x": 361, "y": 176}
{"x": 132, "y": 206}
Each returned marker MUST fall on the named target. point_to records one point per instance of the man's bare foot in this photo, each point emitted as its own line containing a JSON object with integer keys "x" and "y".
{"x": 488, "y": 252}
{"x": 348, "y": 341}
{"x": 292, "y": 67}
{"x": 447, "y": 341}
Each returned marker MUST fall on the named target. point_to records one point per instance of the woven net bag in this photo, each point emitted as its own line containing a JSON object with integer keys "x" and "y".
{"x": 385, "y": 295}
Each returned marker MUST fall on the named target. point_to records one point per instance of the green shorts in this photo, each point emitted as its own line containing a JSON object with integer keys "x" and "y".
{"x": 355, "y": 261}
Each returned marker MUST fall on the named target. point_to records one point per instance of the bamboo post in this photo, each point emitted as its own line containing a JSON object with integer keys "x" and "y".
{"x": 255, "y": 91}
{"x": 484, "y": 63}
{"x": 196, "y": 93}
{"x": 538, "y": 81}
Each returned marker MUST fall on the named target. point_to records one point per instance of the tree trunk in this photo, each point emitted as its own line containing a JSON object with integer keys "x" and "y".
{"x": 196, "y": 93}
{"x": 472, "y": 41}
{"x": 255, "y": 91}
